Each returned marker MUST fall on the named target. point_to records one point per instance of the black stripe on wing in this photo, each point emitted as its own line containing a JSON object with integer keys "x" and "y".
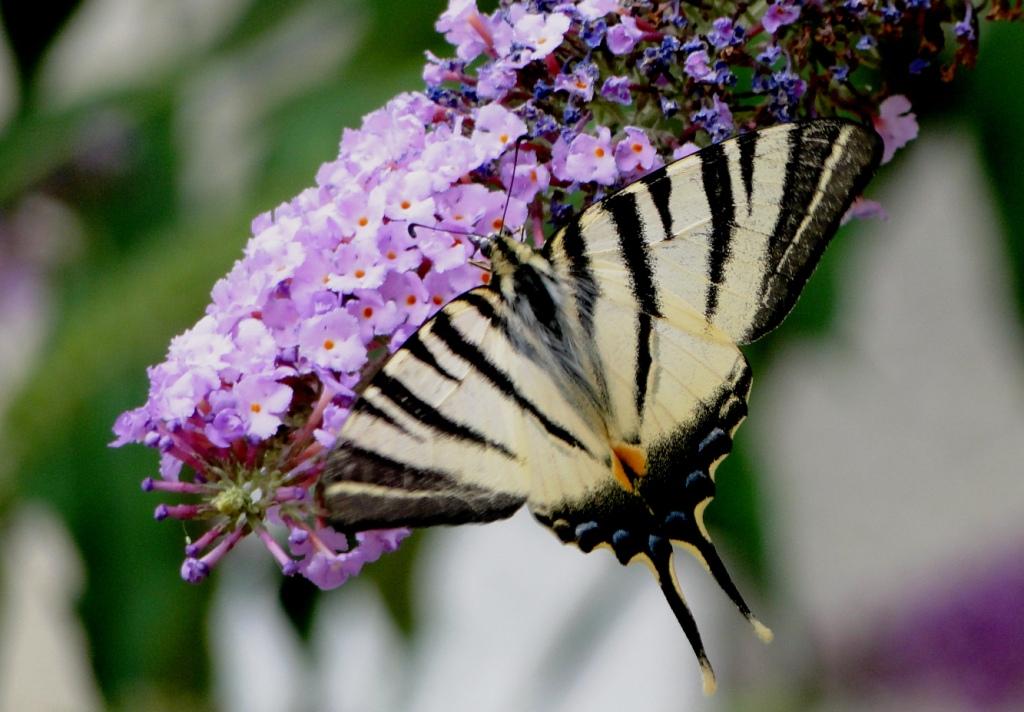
{"x": 633, "y": 248}
{"x": 636, "y": 255}
{"x": 450, "y": 336}
{"x": 644, "y": 360}
{"x": 415, "y": 346}
{"x": 486, "y": 309}
{"x": 364, "y": 406}
{"x": 364, "y": 490}
{"x": 585, "y": 289}
{"x": 718, "y": 189}
{"x": 829, "y": 164}
{"x": 395, "y": 391}
{"x": 748, "y": 149}
{"x": 659, "y": 187}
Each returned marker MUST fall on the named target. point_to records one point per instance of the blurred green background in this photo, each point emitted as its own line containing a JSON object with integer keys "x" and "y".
{"x": 137, "y": 141}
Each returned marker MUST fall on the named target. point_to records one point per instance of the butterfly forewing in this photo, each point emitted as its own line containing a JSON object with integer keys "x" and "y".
{"x": 598, "y": 380}
{"x": 733, "y": 232}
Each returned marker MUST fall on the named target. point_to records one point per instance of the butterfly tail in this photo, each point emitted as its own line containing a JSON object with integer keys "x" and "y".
{"x": 661, "y": 564}
{"x": 685, "y": 531}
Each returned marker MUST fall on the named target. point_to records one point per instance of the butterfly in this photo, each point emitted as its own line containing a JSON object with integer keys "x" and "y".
{"x": 598, "y": 380}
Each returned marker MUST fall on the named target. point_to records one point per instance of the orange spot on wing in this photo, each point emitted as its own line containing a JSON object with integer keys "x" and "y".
{"x": 634, "y": 457}
{"x": 620, "y": 474}
{"x": 628, "y": 457}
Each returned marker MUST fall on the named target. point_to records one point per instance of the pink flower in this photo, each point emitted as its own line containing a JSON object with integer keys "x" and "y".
{"x": 542, "y": 33}
{"x": 529, "y": 178}
{"x": 779, "y": 14}
{"x": 864, "y": 208}
{"x": 591, "y": 158}
{"x": 622, "y": 37}
{"x": 634, "y": 154}
{"x": 896, "y": 124}
{"x": 696, "y": 65}
{"x": 685, "y": 150}
{"x": 410, "y": 296}
{"x": 593, "y": 9}
{"x": 494, "y": 80}
{"x": 332, "y": 341}
{"x": 374, "y": 315}
{"x": 464, "y": 27}
{"x": 260, "y": 403}
{"x": 496, "y": 129}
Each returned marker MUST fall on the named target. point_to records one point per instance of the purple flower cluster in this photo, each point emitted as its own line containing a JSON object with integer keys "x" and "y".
{"x": 544, "y": 105}
{"x": 963, "y": 640}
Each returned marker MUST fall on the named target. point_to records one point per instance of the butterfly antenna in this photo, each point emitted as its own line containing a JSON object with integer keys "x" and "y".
{"x": 665, "y": 573}
{"x": 475, "y": 238}
{"x": 515, "y": 163}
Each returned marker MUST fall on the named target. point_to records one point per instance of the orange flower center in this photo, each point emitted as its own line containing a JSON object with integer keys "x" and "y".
{"x": 391, "y": 255}
{"x": 368, "y": 312}
{"x": 410, "y": 300}
{"x": 406, "y": 205}
{"x": 360, "y": 273}
{"x": 637, "y": 148}
{"x": 496, "y": 225}
{"x": 503, "y": 138}
{"x": 599, "y": 152}
{"x": 328, "y": 344}
{"x": 255, "y": 407}
{"x": 437, "y": 299}
{"x": 485, "y": 277}
{"x": 364, "y": 221}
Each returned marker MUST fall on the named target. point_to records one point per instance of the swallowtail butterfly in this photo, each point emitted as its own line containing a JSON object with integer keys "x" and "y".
{"x": 598, "y": 380}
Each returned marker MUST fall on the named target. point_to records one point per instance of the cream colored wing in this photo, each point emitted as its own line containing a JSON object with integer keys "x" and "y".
{"x": 459, "y": 426}
{"x": 733, "y": 232}
{"x": 664, "y": 278}
{"x": 666, "y": 436}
